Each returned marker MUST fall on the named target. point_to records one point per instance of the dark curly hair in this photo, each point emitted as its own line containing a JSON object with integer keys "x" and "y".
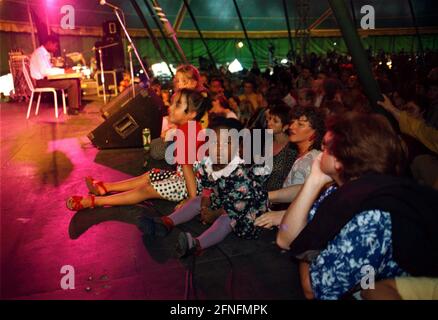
{"x": 317, "y": 122}
{"x": 225, "y": 123}
{"x": 282, "y": 111}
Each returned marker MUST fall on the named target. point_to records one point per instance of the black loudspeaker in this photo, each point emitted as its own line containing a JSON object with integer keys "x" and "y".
{"x": 113, "y": 56}
{"x": 112, "y": 30}
{"x": 123, "y": 128}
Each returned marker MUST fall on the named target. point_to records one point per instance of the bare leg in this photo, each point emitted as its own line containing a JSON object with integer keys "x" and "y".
{"x": 130, "y": 197}
{"x": 128, "y": 184}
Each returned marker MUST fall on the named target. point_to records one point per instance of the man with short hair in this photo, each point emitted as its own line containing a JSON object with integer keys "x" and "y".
{"x": 41, "y": 67}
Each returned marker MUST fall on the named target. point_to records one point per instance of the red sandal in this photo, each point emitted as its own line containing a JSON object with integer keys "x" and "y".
{"x": 76, "y": 204}
{"x": 93, "y": 186}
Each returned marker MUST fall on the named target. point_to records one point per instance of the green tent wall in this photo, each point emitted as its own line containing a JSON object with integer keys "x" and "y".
{"x": 217, "y": 18}
{"x": 224, "y": 50}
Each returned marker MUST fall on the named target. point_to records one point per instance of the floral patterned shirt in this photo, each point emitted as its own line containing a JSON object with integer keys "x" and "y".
{"x": 238, "y": 189}
{"x": 364, "y": 242}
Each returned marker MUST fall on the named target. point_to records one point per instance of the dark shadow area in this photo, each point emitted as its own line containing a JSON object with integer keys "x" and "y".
{"x": 243, "y": 269}
{"x": 130, "y": 161}
{"x": 234, "y": 269}
{"x": 54, "y": 168}
{"x": 161, "y": 249}
{"x": 85, "y": 219}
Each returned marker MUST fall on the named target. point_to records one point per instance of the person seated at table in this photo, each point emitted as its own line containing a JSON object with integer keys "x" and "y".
{"x": 41, "y": 68}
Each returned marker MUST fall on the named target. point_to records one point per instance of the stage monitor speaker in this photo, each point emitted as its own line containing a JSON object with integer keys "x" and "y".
{"x": 119, "y": 102}
{"x": 123, "y": 129}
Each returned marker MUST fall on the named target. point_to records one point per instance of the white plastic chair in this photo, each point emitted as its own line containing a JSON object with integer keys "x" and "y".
{"x": 40, "y": 91}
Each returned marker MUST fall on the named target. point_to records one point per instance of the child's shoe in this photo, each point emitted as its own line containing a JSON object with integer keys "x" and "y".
{"x": 154, "y": 227}
{"x": 186, "y": 245}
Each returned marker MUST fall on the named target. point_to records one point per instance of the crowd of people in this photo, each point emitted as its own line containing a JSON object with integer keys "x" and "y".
{"x": 348, "y": 189}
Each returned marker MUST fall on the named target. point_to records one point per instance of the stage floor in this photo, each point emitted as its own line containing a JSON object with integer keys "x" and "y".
{"x": 43, "y": 161}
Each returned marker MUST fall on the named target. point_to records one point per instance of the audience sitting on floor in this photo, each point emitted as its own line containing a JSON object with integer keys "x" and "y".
{"x": 188, "y": 106}
{"x": 306, "y": 130}
{"x": 424, "y": 167}
{"x": 283, "y": 152}
{"x": 356, "y": 205}
{"x": 355, "y": 213}
{"x": 231, "y": 196}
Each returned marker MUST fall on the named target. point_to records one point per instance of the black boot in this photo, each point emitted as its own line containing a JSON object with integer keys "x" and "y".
{"x": 186, "y": 245}
{"x": 153, "y": 227}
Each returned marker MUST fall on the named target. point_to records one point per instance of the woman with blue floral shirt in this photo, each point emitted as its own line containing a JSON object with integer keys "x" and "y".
{"x": 364, "y": 241}
{"x": 369, "y": 224}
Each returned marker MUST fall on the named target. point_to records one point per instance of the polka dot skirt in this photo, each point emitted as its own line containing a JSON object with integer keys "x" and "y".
{"x": 170, "y": 185}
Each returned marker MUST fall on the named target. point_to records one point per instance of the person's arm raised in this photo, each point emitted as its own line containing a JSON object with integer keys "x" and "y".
{"x": 388, "y": 106}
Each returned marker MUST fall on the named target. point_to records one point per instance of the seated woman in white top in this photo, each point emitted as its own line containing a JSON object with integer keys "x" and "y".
{"x": 301, "y": 169}
{"x": 306, "y": 131}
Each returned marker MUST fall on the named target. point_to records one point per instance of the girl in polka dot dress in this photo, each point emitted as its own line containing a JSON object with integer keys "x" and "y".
{"x": 188, "y": 106}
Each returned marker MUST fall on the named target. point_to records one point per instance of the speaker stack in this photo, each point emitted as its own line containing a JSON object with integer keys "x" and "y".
{"x": 113, "y": 57}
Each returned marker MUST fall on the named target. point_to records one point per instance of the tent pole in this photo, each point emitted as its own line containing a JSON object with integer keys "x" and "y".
{"x": 169, "y": 29}
{"x": 180, "y": 16}
{"x": 151, "y": 34}
{"x": 353, "y": 13}
{"x": 417, "y": 31}
{"x": 358, "y": 54}
{"x": 244, "y": 31}
{"x": 157, "y": 22}
{"x": 195, "y": 23}
{"x": 32, "y": 30}
{"x": 286, "y": 14}
{"x": 321, "y": 19}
